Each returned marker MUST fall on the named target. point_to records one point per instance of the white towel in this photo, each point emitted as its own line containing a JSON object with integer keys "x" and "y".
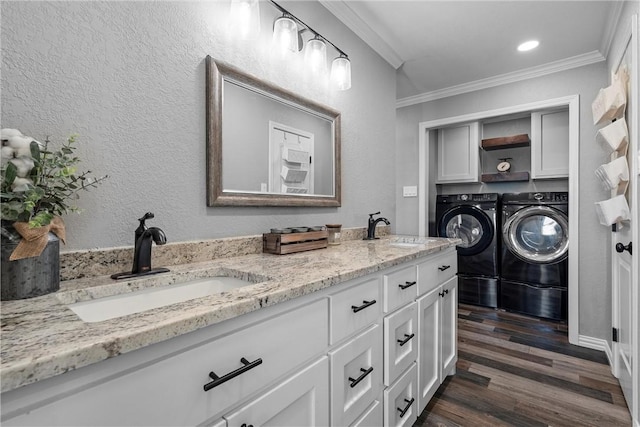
{"x": 614, "y": 175}
{"x": 613, "y": 210}
{"x": 611, "y": 101}
{"x": 614, "y": 137}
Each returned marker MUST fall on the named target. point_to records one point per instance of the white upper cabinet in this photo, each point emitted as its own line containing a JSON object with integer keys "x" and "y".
{"x": 550, "y": 144}
{"x": 458, "y": 153}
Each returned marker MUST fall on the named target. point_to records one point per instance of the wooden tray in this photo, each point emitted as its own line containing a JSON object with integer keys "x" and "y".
{"x": 281, "y": 244}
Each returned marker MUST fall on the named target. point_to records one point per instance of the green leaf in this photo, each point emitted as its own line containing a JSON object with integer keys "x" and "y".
{"x": 35, "y": 151}
{"x": 10, "y": 174}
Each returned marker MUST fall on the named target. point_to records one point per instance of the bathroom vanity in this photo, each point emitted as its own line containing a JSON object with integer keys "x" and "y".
{"x": 357, "y": 334}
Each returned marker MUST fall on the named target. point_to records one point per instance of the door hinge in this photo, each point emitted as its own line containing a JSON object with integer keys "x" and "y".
{"x": 615, "y": 335}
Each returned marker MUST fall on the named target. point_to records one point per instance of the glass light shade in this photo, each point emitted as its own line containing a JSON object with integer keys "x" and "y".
{"x": 244, "y": 19}
{"x": 315, "y": 55}
{"x": 285, "y": 34}
{"x": 341, "y": 73}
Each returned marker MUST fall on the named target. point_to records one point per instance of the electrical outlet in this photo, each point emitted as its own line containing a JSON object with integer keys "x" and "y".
{"x": 410, "y": 191}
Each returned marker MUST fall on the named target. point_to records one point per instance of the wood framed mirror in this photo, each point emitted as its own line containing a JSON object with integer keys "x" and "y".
{"x": 267, "y": 146}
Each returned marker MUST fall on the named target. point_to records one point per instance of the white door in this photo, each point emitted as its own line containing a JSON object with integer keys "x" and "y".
{"x": 624, "y": 263}
{"x": 302, "y": 400}
{"x": 448, "y": 328}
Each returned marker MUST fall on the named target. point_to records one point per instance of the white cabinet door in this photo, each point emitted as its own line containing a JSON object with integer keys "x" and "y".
{"x": 355, "y": 308}
{"x": 356, "y": 376}
{"x": 400, "y": 287}
{"x": 459, "y": 153}
{"x": 400, "y": 408}
{"x": 428, "y": 346}
{"x": 550, "y": 144}
{"x": 400, "y": 341}
{"x": 301, "y": 400}
{"x": 372, "y": 417}
{"x": 437, "y": 270}
{"x": 448, "y": 327}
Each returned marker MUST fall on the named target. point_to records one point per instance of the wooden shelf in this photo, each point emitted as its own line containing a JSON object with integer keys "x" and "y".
{"x": 505, "y": 177}
{"x": 514, "y": 141}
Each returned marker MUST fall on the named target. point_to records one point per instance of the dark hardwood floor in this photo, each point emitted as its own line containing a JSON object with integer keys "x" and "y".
{"x": 516, "y": 370}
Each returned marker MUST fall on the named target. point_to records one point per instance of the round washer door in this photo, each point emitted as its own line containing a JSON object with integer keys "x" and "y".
{"x": 537, "y": 234}
{"x": 471, "y": 225}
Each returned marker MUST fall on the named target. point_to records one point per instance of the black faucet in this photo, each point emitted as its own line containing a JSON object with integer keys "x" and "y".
{"x": 371, "y": 229}
{"x": 142, "y": 250}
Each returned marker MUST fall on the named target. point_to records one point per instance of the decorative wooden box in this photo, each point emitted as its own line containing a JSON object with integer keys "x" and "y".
{"x": 281, "y": 244}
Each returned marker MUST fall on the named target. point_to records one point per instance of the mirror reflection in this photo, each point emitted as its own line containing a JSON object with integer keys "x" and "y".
{"x": 267, "y": 146}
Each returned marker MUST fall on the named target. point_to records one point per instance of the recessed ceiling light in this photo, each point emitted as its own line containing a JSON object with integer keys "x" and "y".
{"x": 531, "y": 44}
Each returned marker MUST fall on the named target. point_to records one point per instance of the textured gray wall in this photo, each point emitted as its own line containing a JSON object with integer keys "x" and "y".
{"x": 594, "y": 265}
{"x": 129, "y": 77}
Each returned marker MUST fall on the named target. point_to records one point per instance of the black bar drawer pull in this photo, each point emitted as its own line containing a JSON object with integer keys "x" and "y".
{"x": 406, "y": 339}
{"x": 245, "y": 425}
{"x": 364, "y": 305}
{"x": 365, "y": 372}
{"x": 406, "y": 408}
{"x": 220, "y": 380}
{"x": 407, "y": 285}
{"x": 444, "y": 267}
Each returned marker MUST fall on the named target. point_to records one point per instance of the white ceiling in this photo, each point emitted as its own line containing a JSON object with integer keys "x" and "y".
{"x": 440, "y": 48}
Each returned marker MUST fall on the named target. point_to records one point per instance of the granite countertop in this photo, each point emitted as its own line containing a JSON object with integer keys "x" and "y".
{"x": 41, "y": 337}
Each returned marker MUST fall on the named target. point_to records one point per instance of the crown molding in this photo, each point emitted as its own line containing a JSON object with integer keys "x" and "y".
{"x": 351, "y": 19}
{"x": 613, "y": 20}
{"x": 502, "y": 79}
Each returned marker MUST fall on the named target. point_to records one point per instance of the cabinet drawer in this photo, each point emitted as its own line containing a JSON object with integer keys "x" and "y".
{"x": 435, "y": 271}
{"x": 372, "y": 416}
{"x": 400, "y": 341}
{"x": 400, "y": 406}
{"x": 400, "y": 287}
{"x": 356, "y": 376}
{"x": 354, "y": 308}
{"x": 282, "y": 343}
{"x": 301, "y": 400}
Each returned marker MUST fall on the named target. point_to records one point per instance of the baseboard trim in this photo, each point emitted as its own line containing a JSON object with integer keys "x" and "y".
{"x": 597, "y": 344}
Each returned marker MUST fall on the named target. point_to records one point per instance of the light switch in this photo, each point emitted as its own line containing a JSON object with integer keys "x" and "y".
{"x": 410, "y": 191}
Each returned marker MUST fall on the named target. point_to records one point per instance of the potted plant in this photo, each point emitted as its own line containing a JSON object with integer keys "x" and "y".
{"x": 38, "y": 184}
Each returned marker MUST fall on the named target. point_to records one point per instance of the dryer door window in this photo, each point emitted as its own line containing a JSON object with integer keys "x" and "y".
{"x": 538, "y": 234}
{"x": 469, "y": 224}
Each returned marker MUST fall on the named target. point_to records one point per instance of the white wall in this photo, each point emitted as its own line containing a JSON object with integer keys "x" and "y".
{"x": 594, "y": 265}
{"x": 129, "y": 77}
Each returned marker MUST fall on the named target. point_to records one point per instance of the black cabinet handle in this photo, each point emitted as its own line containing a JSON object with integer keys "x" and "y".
{"x": 406, "y": 339}
{"x": 407, "y": 285}
{"x": 220, "y": 380}
{"x": 621, "y": 248}
{"x": 443, "y": 293}
{"x": 245, "y": 425}
{"x": 365, "y": 372}
{"x": 364, "y": 305}
{"x": 444, "y": 267}
{"x": 406, "y": 408}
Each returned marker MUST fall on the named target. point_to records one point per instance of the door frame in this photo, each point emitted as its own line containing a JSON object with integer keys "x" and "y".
{"x": 631, "y": 40}
{"x": 571, "y": 101}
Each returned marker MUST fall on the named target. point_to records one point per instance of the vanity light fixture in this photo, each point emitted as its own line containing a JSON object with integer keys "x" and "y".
{"x": 315, "y": 55}
{"x": 287, "y": 36}
{"x": 341, "y": 72}
{"x": 528, "y": 45}
{"x": 244, "y": 18}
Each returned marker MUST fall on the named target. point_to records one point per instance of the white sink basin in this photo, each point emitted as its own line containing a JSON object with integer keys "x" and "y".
{"x": 115, "y": 306}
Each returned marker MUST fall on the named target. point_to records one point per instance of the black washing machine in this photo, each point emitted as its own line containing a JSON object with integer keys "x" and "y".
{"x": 535, "y": 254}
{"x": 473, "y": 218}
